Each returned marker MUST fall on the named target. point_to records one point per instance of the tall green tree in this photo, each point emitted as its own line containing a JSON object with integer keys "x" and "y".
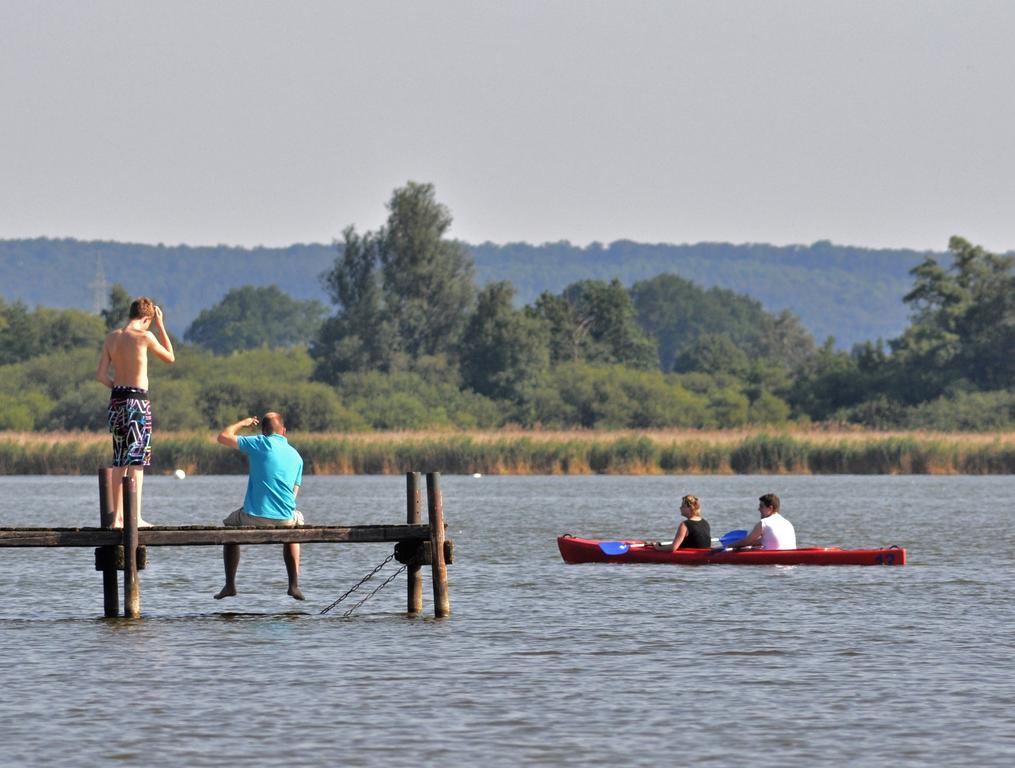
{"x": 502, "y": 348}
{"x": 594, "y": 322}
{"x": 829, "y": 381}
{"x": 963, "y": 327}
{"x": 782, "y": 339}
{"x": 677, "y": 312}
{"x": 18, "y": 336}
{"x": 116, "y": 313}
{"x": 251, "y": 317}
{"x": 403, "y": 293}
{"x": 359, "y": 337}
{"x": 428, "y": 278}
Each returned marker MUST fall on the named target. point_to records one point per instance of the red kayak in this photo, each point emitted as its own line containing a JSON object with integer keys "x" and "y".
{"x": 575, "y": 550}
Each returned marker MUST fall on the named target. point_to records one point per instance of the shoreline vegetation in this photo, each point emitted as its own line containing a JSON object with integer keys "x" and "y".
{"x": 527, "y": 452}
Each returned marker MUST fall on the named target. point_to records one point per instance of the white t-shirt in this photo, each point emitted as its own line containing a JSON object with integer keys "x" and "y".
{"x": 777, "y": 533}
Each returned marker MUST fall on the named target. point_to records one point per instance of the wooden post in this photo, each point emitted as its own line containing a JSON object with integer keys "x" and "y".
{"x": 107, "y": 515}
{"x": 131, "y": 585}
{"x": 435, "y": 511}
{"x": 413, "y": 516}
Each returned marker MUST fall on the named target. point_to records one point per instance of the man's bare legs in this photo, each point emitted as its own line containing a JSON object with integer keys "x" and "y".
{"x": 291, "y": 555}
{"x": 231, "y": 561}
{"x": 137, "y": 472}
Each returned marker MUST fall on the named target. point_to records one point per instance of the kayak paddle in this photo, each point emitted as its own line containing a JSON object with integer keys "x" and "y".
{"x": 622, "y": 547}
{"x": 728, "y": 538}
{"x": 614, "y": 547}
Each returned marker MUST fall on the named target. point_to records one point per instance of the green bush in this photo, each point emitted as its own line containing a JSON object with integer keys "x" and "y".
{"x": 305, "y": 406}
{"x": 28, "y": 334}
{"x": 768, "y": 409}
{"x": 175, "y": 407}
{"x": 24, "y": 412}
{"x": 728, "y": 408}
{"x": 610, "y": 397}
{"x": 313, "y": 407}
{"x": 966, "y": 412}
{"x": 412, "y": 400}
{"x": 83, "y": 407}
{"x": 53, "y": 375}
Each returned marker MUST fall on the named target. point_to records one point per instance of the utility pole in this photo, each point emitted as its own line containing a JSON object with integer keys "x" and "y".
{"x": 100, "y": 288}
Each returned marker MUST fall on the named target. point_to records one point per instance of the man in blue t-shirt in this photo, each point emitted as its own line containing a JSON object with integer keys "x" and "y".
{"x": 276, "y": 473}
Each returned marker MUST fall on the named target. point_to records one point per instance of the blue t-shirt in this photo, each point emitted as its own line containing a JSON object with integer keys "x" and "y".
{"x": 275, "y": 467}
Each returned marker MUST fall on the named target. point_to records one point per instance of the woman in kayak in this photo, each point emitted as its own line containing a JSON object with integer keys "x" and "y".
{"x": 693, "y": 532}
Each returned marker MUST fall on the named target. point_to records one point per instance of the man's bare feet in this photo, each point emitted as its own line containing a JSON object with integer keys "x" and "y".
{"x": 226, "y": 592}
{"x": 144, "y": 524}
{"x": 295, "y": 593}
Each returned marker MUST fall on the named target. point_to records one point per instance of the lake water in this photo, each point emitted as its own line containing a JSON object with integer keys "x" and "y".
{"x": 541, "y": 663}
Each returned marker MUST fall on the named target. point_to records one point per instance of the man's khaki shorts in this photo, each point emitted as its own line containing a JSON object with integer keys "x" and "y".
{"x": 238, "y": 517}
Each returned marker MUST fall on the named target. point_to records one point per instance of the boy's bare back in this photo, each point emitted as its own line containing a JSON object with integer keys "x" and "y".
{"x": 126, "y": 352}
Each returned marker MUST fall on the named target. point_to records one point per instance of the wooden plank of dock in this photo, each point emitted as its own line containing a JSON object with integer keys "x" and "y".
{"x": 186, "y": 535}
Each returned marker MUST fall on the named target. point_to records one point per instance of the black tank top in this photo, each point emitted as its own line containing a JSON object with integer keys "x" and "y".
{"x": 699, "y": 536}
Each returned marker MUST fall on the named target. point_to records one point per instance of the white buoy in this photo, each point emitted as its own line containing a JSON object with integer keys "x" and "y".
{"x": 180, "y": 474}
{"x": 476, "y": 474}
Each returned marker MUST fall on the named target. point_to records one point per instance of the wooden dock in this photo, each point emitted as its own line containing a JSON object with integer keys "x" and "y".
{"x": 126, "y": 549}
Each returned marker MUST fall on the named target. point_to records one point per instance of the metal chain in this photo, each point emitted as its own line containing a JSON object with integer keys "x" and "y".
{"x": 363, "y": 581}
{"x": 382, "y": 585}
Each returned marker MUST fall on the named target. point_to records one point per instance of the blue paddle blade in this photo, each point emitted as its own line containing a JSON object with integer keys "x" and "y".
{"x": 727, "y": 538}
{"x": 615, "y": 547}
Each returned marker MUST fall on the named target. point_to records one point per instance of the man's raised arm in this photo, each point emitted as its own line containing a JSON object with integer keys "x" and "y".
{"x": 228, "y": 435}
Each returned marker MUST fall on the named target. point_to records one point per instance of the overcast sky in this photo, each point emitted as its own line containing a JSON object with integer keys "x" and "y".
{"x": 884, "y": 124}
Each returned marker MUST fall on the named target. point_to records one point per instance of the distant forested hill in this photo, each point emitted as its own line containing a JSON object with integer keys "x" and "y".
{"x": 185, "y": 280}
{"x": 853, "y": 294}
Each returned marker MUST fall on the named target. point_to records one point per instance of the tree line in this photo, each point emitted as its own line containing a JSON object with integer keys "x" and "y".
{"x": 852, "y": 292}
{"x": 413, "y": 343}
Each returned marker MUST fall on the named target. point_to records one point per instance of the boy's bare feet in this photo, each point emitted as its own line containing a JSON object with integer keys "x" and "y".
{"x": 140, "y": 524}
{"x": 226, "y": 592}
{"x": 295, "y": 593}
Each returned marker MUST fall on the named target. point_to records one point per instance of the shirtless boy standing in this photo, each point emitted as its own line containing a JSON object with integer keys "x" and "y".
{"x": 130, "y": 412}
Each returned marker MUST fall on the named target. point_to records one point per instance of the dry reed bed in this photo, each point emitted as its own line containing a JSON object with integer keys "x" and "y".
{"x": 745, "y": 451}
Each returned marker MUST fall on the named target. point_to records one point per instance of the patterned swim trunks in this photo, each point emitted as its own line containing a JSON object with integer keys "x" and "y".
{"x": 130, "y": 421}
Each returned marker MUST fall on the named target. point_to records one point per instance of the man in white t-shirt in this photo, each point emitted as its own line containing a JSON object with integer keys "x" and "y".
{"x": 773, "y": 531}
